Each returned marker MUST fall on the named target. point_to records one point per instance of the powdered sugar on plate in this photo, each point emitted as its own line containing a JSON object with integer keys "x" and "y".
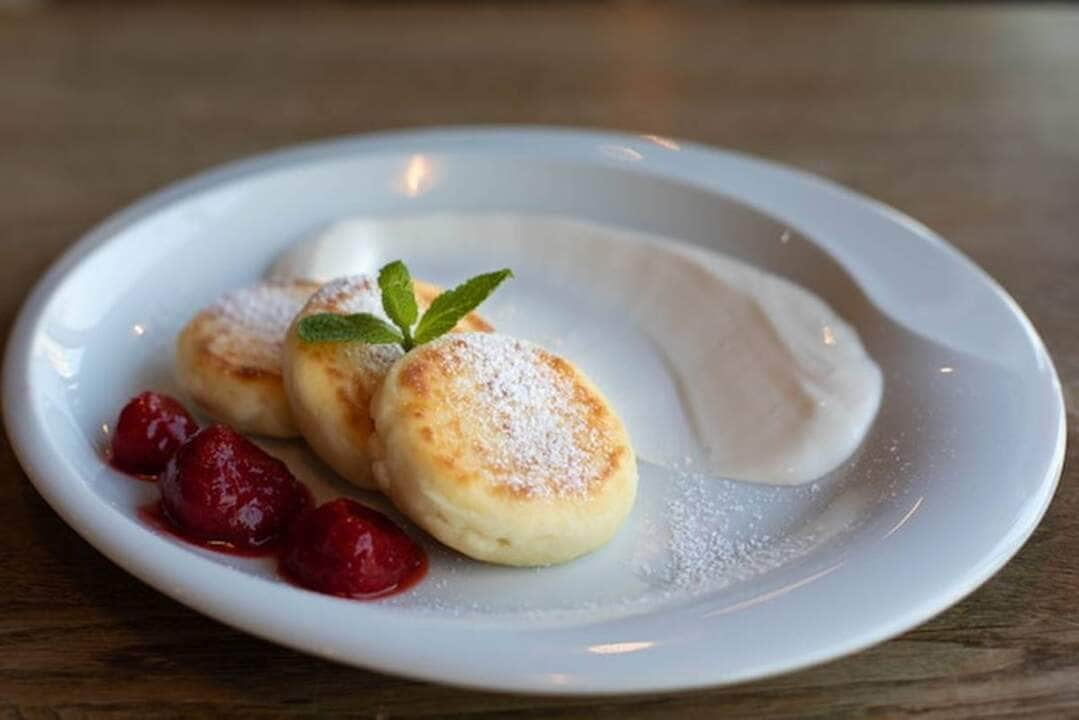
{"x": 690, "y": 536}
{"x": 712, "y": 535}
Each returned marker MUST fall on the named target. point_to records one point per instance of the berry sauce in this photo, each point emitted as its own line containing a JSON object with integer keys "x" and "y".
{"x": 221, "y": 492}
{"x": 347, "y": 549}
{"x": 150, "y": 429}
{"x": 155, "y": 516}
{"x": 221, "y": 487}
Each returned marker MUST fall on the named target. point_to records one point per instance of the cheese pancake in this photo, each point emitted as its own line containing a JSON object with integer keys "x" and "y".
{"x": 228, "y": 357}
{"x": 330, "y": 385}
{"x": 502, "y": 450}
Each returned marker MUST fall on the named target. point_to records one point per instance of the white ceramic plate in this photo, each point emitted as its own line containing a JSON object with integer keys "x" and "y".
{"x": 955, "y": 474}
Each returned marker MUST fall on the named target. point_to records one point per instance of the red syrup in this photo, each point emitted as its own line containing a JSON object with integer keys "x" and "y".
{"x": 155, "y": 516}
{"x": 221, "y": 492}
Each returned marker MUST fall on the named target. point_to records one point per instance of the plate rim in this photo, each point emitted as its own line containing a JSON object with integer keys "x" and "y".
{"x": 26, "y": 442}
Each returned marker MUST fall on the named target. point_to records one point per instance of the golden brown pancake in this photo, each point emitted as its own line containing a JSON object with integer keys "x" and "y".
{"x": 330, "y": 385}
{"x": 502, "y": 450}
{"x": 228, "y": 357}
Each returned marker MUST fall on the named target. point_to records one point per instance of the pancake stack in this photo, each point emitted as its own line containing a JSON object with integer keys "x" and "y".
{"x": 497, "y": 447}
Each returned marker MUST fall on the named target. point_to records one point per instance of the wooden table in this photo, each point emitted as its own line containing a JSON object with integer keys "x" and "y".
{"x": 967, "y": 118}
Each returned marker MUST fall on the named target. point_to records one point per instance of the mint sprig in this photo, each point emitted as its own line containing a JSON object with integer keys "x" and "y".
{"x": 399, "y": 304}
{"x": 398, "y": 299}
{"x": 365, "y": 327}
{"x": 448, "y": 308}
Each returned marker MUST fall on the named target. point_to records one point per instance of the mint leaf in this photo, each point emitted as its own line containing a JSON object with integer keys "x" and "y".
{"x": 452, "y": 305}
{"x": 398, "y": 300}
{"x": 361, "y": 327}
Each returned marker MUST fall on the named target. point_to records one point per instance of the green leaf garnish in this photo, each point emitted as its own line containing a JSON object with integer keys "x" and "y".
{"x": 398, "y": 299}
{"x": 362, "y": 327}
{"x": 452, "y": 305}
{"x": 399, "y": 303}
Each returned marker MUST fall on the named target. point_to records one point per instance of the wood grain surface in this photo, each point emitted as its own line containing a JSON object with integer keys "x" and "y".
{"x": 965, "y": 117}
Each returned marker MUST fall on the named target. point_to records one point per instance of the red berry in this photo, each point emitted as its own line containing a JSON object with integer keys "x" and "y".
{"x": 150, "y": 429}
{"x": 221, "y": 487}
{"x": 347, "y": 549}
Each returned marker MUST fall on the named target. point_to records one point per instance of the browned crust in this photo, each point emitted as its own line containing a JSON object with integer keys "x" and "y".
{"x": 473, "y": 322}
{"x": 418, "y": 378}
{"x": 209, "y": 363}
{"x": 245, "y": 373}
{"x": 202, "y": 335}
{"x": 414, "y": 376}
{"x": 209, "y": 326}
{"x": 357, "y": 415}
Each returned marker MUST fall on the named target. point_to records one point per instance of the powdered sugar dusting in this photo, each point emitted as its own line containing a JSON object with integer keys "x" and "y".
{"x": 265, "y": 310}
{"x": 710, "y": 537}
{"x": 532, "y": 431}
{"x": 357, "y": 294}
{"x": 347, "y": 295}
{"x": 375, "y": 358}
{"x": 258, "y": 319}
